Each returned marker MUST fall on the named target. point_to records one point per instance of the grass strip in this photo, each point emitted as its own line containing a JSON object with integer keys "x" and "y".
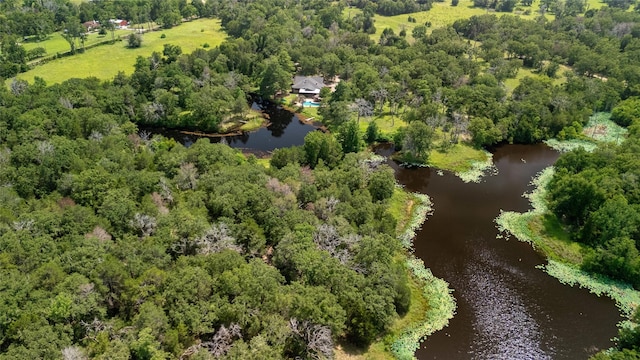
{"x": 441, "y": 303}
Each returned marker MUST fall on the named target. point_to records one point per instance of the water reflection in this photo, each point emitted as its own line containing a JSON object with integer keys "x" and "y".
{"x": 507, "y": 308}
{"x": 284, "y": 130}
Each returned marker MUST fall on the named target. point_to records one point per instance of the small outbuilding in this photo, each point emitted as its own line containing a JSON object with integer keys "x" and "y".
{"x": 307, "y": 84}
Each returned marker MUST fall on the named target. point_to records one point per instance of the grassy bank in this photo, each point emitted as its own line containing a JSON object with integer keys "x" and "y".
{"x": 441, "y": 304}
{"x": 468, "y": 163}
{"x": 544, "y": 232}
{"x": 432, "y": 305}
{"x": 104, "y": 62}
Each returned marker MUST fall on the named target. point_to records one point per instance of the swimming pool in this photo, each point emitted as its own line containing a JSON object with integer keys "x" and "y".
{"x": 308, "y": 103}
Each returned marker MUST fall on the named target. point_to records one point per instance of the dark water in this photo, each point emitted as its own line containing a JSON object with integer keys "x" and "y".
{"x": 285, "y": 130}
{"x": 507, "y": 309}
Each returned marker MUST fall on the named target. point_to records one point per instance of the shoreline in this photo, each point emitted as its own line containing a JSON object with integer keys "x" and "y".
{"x": 560, "y": 264}
{"x": 441, "y": 303}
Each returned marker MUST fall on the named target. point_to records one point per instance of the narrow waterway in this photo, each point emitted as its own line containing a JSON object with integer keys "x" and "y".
{"x": 507, "y": 308}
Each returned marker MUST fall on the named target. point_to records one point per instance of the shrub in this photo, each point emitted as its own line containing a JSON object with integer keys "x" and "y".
{"x": 134, "y": 41}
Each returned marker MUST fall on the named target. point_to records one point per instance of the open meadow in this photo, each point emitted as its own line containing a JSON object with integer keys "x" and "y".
{"x": 55, "y": 43}
{"x": 443, "y": 14}
{"x": 104, "y": 62}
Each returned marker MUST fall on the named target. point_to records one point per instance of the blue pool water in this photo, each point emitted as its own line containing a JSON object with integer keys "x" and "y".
{"x": 308, "y": 103}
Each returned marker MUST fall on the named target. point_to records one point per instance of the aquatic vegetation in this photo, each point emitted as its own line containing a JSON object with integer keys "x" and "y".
{"x": 600, "y": 128}
{"x": 441, "y": 302}
{"x": 568, "y": 145}
{"x": 441, "y": 309}
{"x": 418, "y": 217}
{"x": 478, "y": 169}
{"x": 627, "y": 299}
{"x": 519, "y": 225}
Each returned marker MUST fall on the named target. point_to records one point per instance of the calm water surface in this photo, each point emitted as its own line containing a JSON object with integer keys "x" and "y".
{"x": 507, "y": 309}
{"x": 285, "y": 130}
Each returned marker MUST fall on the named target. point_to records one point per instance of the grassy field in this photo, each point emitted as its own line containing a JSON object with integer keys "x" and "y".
{"x": 55, "y": 43}
{"x": 443, "y": 14}
{"x": 387, "y": 123}
{"x": 511, "y": 84}
{"x": 104, "y": 62}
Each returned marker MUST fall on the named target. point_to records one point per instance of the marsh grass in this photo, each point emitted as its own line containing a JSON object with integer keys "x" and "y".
{"x": 599, "y": 128}
{"x": 458, "y": 158}
{"x": 602, "y": 129}
{"x": 401, "y": 206}
{"x": 474, "y": 168}
{"x": 569, "y": 145}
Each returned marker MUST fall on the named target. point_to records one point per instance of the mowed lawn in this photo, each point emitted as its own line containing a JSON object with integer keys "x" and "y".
{"x": 105, "y": 61}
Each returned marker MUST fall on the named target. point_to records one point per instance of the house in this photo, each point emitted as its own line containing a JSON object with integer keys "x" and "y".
{"x": 307, "y": 84}
{"x": 91, "y": 25}
{"x": 120, "y": 24}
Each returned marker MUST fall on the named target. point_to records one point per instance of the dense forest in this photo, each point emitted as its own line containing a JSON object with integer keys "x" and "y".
{"x": 115, "y": 244}
{"x": 597, "y": 196}
{"x": 452, "y": 78}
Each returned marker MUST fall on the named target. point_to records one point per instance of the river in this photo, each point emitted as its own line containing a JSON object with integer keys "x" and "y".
{"x": 506, "y": 307}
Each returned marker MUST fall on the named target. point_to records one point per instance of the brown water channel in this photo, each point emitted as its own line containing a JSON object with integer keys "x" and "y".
{"x": 506, "y": 307}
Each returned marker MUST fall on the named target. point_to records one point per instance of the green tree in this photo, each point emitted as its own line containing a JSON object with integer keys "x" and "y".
{"x": 73, "y": 30}
{"x": 372, "y": 134}
{"x": 382, "y": 184}
{"x": 417, "y": 142}
{"x": 626, "y": 112}
{"x": 134, "y": 40}
{"x": 349, "y": 137}
{"x": 276, "y": 74}
{"x": 484, "y": 132}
